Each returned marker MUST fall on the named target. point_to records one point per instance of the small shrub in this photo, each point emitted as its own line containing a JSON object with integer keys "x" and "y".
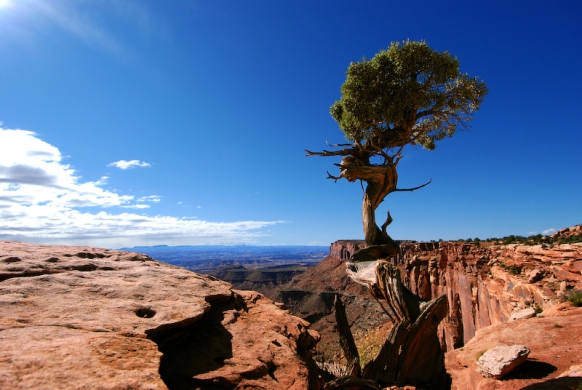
{"x": 558, "y": 326}
{"x": 575, "y": 297}
{"x": 537, "y": 308}
{"x": 369, "y": 343}
{"x": 514, "y": 269}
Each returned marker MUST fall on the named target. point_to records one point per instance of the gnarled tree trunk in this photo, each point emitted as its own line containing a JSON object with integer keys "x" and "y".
{"x": 381, "y": 180}
{"x": 411, "y": 354}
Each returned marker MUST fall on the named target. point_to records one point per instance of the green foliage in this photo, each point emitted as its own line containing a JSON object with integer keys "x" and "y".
{"x": 407, "y": 94}
{"x": 538, "y": 239}
{"x": 575, "y": 297}
{"x": 514, "y": 269}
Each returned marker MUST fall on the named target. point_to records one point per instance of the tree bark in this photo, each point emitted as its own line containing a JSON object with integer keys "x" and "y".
{"x": 381, "y": 180}
{"x": 347, "y": 340}
{"x": 412, "y": 354}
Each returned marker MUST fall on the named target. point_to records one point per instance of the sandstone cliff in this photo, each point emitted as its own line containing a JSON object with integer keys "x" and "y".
{"x": 486, "y": 284}
{"x": 89, "y": 318}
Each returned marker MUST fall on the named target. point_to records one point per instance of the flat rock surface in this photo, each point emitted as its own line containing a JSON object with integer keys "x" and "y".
{"x": 89, "y": 318}
{"x": 553, "y": 339}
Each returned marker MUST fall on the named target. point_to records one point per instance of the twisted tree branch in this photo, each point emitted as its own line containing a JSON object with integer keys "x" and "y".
{"x": 413, "y": 189}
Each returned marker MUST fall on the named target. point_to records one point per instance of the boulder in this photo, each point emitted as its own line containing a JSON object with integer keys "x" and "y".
{"x": 573, "y": 371}
{"x": 551, "y": 339}
{"x": 523, "y": 314}
{"x": 535, "y": 275}
{"x": 501, "y": 360}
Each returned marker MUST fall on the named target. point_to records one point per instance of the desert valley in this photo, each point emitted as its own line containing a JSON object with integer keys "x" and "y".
{"x": 276, "y": 195}
{"x": 82, "y": 317}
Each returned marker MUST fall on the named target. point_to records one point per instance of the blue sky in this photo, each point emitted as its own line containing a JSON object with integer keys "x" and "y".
{"x": 185, "y": 122}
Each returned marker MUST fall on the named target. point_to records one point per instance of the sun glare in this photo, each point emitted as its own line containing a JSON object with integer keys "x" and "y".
{"x": 4, "y": 3}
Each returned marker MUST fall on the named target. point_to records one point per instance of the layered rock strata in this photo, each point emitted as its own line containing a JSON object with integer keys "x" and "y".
{"x": 81, "y": 317}
{"x": 487, "y": 284}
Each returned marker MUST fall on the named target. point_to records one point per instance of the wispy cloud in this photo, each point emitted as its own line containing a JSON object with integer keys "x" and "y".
{"x": 546, "y": 232}
{"x": 75, "y": 20}
{"x": 84, "y": 19}
{"x": 124, "y": 164}
{"x": 150, "y": 198}
{"x": 550, "y": 231}
{"x": 41, "y": 199}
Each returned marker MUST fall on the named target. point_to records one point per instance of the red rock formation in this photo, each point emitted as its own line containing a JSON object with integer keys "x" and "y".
{"x": 486, "y": 284}
{"x": 81, "y": 317}
{"x": 554, "y": 342}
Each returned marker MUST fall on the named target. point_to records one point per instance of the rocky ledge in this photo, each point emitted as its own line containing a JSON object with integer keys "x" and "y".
{"x": 554, "y": 362}
{"x": 90, "y": 318}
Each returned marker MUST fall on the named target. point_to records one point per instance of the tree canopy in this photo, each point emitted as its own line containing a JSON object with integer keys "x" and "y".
{"x": 408, "y": 94}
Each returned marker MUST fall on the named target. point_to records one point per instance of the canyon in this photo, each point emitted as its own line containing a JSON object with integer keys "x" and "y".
{"x": 488, "y": 284}
{"x": 82, "y": 317}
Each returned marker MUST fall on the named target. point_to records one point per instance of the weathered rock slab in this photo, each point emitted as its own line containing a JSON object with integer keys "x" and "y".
{"x": 91, "y": 318}
{"x": 549, "y": 337}
{"x": 501, "y": 360}
{"x": 523, "y": 314}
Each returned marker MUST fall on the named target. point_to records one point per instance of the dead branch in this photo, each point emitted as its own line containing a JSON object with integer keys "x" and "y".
{"x": 351, "y": 383}
{"x": 337, "y": 145}
{"x": 413, "y": 189}
{"x": 388, "y": 222}
{"x": 335, "y": 178}
{"x": 325, "y": 153}
{"x": 347, "y": 340}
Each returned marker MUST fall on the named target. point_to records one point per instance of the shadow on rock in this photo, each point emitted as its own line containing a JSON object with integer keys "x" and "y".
{"x": 195, "y": 349}
{"x": 566, "y": 383}
{"x": 532, "y": 369}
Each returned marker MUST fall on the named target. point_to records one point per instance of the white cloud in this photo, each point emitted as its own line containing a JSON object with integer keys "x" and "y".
{"x": 137, "y": 206}
{"x": 150, "y": 198}
{"x": 124, "y": 164}
{"x": 40, "y": 197}
{"x": 31, "y": 172}
{"x": 550, "y": 231}
{"x": 102, "y": 181}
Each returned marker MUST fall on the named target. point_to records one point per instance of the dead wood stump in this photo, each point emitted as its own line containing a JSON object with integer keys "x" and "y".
{"x": 411, "y": 354}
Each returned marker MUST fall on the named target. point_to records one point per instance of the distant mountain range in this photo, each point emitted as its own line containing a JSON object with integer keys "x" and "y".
{"x": 208, "y": 257}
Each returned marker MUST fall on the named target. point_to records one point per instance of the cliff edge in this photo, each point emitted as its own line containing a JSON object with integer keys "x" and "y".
{"x": 82, "y": 317}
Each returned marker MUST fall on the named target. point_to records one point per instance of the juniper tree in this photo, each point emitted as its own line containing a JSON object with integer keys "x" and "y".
{"x": 407, "y": 95}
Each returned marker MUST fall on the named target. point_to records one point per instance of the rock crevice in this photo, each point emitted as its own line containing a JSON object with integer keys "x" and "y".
{"x": 97, "y": 318}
